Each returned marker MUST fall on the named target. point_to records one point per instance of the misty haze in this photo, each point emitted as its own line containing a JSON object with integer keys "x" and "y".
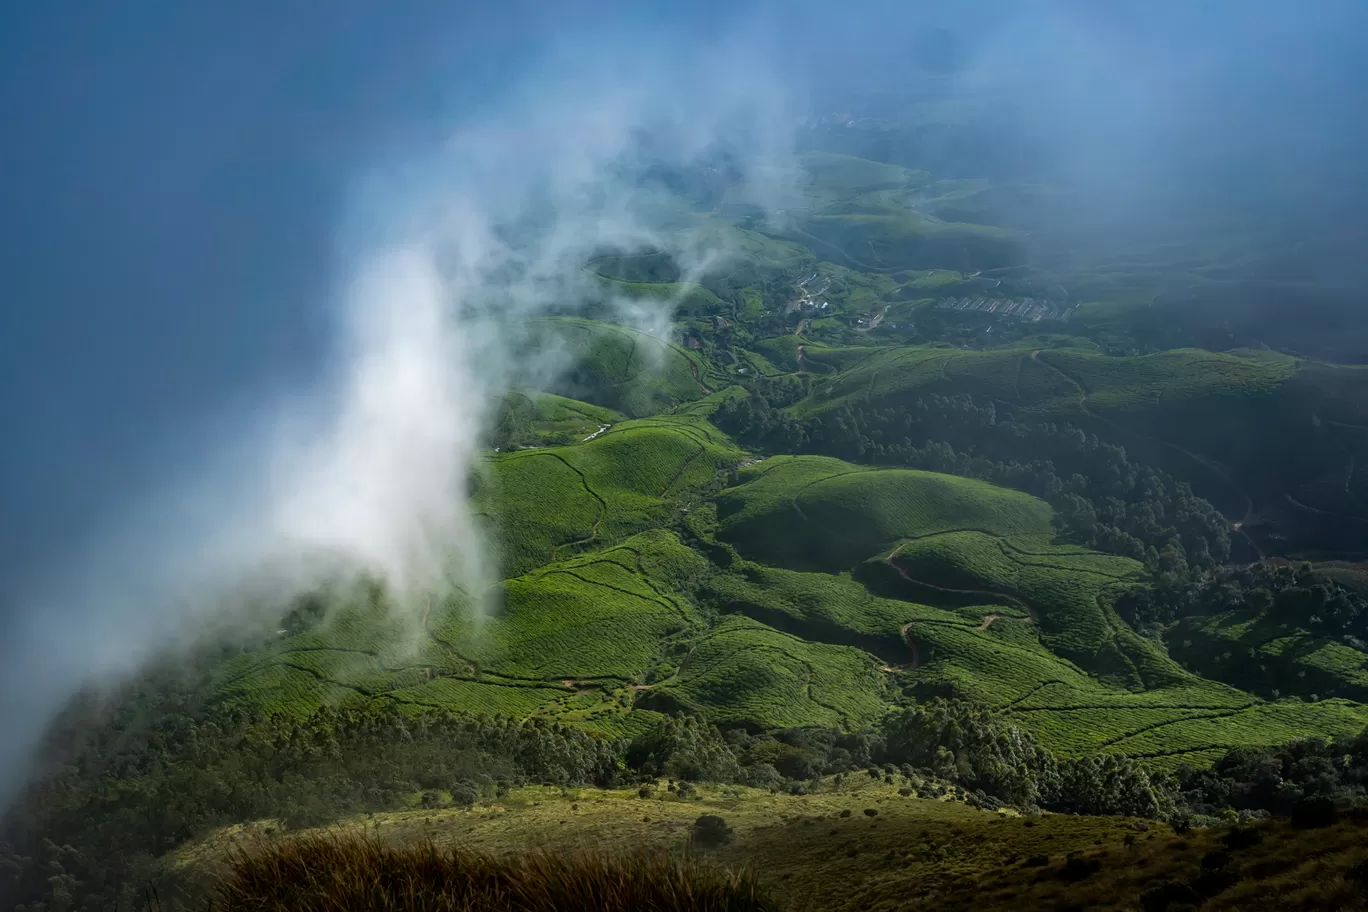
{"x": 692, "y": 456}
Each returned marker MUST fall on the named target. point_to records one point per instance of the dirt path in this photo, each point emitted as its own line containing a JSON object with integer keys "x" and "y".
{"x": 1000, "y": 596}
{"x": 593, "y": 534}
{"x": 864, "y": 267}
{"x": 693, "y": 369}
{"x": 916, "y": 654}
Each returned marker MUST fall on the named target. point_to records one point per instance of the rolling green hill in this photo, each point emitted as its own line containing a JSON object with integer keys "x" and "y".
{"x": 1266, "y": 438}
{"x": 624, "y": 369}
{"x": 534, "y": 418}
{"x": 1127, "y": 384}
{"x": 546, "y": 502}
{"x": 1010, "y": 375}
{"x": 564, "y": 641}
{"x": 818, "y": 512}
{"x": 879, "y": 240}
{"x": 1030, "y": 640}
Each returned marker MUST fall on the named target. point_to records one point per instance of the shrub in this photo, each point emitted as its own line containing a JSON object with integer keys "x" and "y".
{"x": 1315, "y": 811}
{"x": 1076, "y": 869}
{"x": 763, "y": 775}
{"x": 710, "y": 830}
{"x": 1172, "y": 893}
{"x": 465, "y": 793}
{"x": 1242, "y": 838}
{"x": 686, "y": 749}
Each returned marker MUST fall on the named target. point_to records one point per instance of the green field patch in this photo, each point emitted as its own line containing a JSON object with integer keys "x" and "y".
{"x": 745, "y": 672}
{"x": 814, "y": 512}
{"x": 826, "y": 609}
{"x": 873, "y": 235}
{"x": 591, "y": 623}
{"x": 600, "y": 616}
{"x": 285, "y": 689}
{"x": 528, "y": 417}
{"x": 1167, "y": 745}
{"x": 687, "y": 298}
{"x": 1005, "y": 663}
{"x": 516, "y": 701}
{"x": 901, "y": 374}
{"x": 848, "y": 174}
{"x": 1145, "y": 381}
{"x": 1060, "y": 585}
{"x": 545, "y": 503}
{"x": 815, "y": 357}
{"x": 623, "y": 368}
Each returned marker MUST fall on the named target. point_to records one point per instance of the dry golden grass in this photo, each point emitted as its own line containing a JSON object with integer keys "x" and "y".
{"x": 352, "y": 873}
{"x": 823, "y": 852}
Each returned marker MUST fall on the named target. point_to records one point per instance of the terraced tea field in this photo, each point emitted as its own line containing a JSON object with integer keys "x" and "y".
{"x": 548, "y": 502}
{"x": 1008, "y": 375}
{"x": 622, "y": 368}
{"x": 818, "y": 512}
{"x": 743, "y": 671}
{"x": 566, "y": 640}
{"x": 1122, "y": 384}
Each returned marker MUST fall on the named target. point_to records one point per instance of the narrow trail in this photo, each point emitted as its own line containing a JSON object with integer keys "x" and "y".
{"x": 593, "y": 534}
{"x": 916, "y": 654}
{"x": 988, "y": 620}
{"x": 1215, "y": 468}
{"x": 693, "y": 369}
{"x": 1000, "y": 596}
{"x": 429, "y": 670}
{"x": 1319, "y": 512}
{"x": 864, "y": 267}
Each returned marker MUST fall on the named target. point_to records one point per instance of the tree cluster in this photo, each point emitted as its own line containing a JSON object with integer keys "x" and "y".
{"x": 1284, "y": 780}
{"x": 1295, "y": 595}
{"x": 937, "y": 747}
{"x": 85, "y": 833}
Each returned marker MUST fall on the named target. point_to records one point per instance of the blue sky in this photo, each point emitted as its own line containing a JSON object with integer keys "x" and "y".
{"x": 170, "y": 185}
